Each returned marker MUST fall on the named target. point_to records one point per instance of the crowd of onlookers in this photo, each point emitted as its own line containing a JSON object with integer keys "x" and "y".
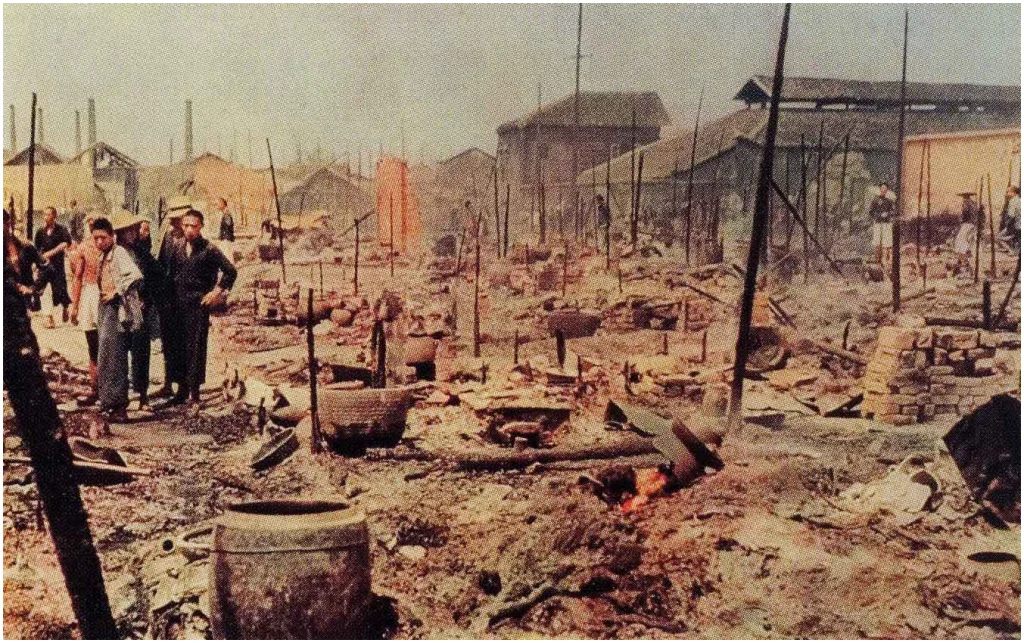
{"x": 127, "y": 289}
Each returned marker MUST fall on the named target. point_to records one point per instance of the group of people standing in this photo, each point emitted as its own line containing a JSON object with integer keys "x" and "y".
{"x": 121, "y": 293}
{"x": 882, "y": 211}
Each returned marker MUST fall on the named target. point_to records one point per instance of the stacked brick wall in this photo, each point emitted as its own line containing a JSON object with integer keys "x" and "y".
{"x": 918, "y": 373}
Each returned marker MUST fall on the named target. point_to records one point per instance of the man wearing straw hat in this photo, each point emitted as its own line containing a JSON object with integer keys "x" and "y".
{"x": 171, "y": 338}
{"x": 127, "y": 226}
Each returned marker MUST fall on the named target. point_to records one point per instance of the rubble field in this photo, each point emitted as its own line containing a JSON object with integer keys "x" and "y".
{"x": 817, "y": 520}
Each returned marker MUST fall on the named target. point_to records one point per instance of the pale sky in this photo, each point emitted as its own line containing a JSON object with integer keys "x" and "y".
{"x": 355, "y": 76}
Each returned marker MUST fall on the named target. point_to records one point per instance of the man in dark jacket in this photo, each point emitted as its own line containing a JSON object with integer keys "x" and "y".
{"x": 52, "y": 241}
{"x": 882, "y": 212}
{"x": 171, "y": 337}
{"x": 202, "y": 275}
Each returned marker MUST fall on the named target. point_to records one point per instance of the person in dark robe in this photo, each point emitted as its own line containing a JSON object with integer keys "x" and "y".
{"x": 52, "y": 241}
{"x": 76, "y": 222}
{"x": 202, "y": 277}
{"x": 23, "y": 258}
{"x": 171, "y": 334}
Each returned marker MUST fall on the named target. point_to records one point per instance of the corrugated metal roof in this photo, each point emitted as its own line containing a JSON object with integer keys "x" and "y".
{"x": 473, "y": 151}
{"x": 599, "y": 109}
{"x": 660, "y": 157}
{"x": 868, "y": 130}
{"x": 837, "y": 90}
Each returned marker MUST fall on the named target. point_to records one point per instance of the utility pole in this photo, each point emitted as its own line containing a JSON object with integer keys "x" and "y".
{"x": 689, "y": 187}
{"x": 40, "y": 426}
{"x": 14, "y": 131}
{"x": 899, "y": 173}
{"x": 757, "y": 235}
{"x": 78, "y": 132}
{"x": 632, "y": 180}
{"x": 277, "y": 204}
{"x": 31, "y": 169}
{"x": 536, "y": 169}
{"x": 576, "y": 114}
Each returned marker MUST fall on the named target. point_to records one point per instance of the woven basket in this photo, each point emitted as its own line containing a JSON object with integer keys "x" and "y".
{"x": 353, "y": 420}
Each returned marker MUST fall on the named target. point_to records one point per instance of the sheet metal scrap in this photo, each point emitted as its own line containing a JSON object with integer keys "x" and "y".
{"x": 986, "y": 448}
{"x": 671, "y": 439}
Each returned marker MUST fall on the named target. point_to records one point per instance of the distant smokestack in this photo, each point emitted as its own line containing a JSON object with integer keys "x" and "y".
{"x": 92, "y": 121}
{"x": 188, "y": 130}
{"x": 78, "y": 132}
{"x": 42, "y": 132}
{"x": 14, "y": 131}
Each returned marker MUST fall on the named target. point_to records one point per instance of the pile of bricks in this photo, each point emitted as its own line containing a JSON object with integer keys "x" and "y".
{"x": 918, "y": 373}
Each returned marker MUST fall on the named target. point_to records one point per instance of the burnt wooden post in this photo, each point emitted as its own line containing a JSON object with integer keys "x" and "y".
{"x": 689, "y": 183}
{"x": 543, "y": 216}
{"x": 838, "y": 207}
{"x": 565, "y": 269}
{"x": 41, "y": 428}
{"x": 560, "y": 347}
{"x": 920, "y": 195}
{"x": 817, "y": 177}
{"x": 277, "y": 204}
{"x": 664, "y": 343}
{"x": 704, "y": 346}
{"x": 315, "y": 439}
{"x": 497, "y": 216}
{"x": 807, "y": 234}
{"x": 986, "y": 304}
{"x": 991, "y": 224}
{"x": 757, "y": 235}
{"x": 355, "y": 278}
{"x": 391, "y": 235}
{"x": 619, "y": 266}
{"x": 476, "y": 293}
{"x": 1006, "y": 300}
{"x": 924, "y": 276}
{"x": 639, "y": 185}
{"x": 977, "y": 232}
{"x": 896, "y": 242}
{"x": 508, "y": 200}
{"x": 804, "y": 161}
{"x": 608, "y": 205}
{"x": 846, "y": 335}
{"x": 928, "y": 201}
{"x": 321, "y": 262}
{"x": 458, "y": 254}
{"x": 380, "y": 347}
{"x": 632, "y": 179}
{"x": 31, "y": 172}
{"x": 686, "y": 315}
{"x": 515, "y": 347}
